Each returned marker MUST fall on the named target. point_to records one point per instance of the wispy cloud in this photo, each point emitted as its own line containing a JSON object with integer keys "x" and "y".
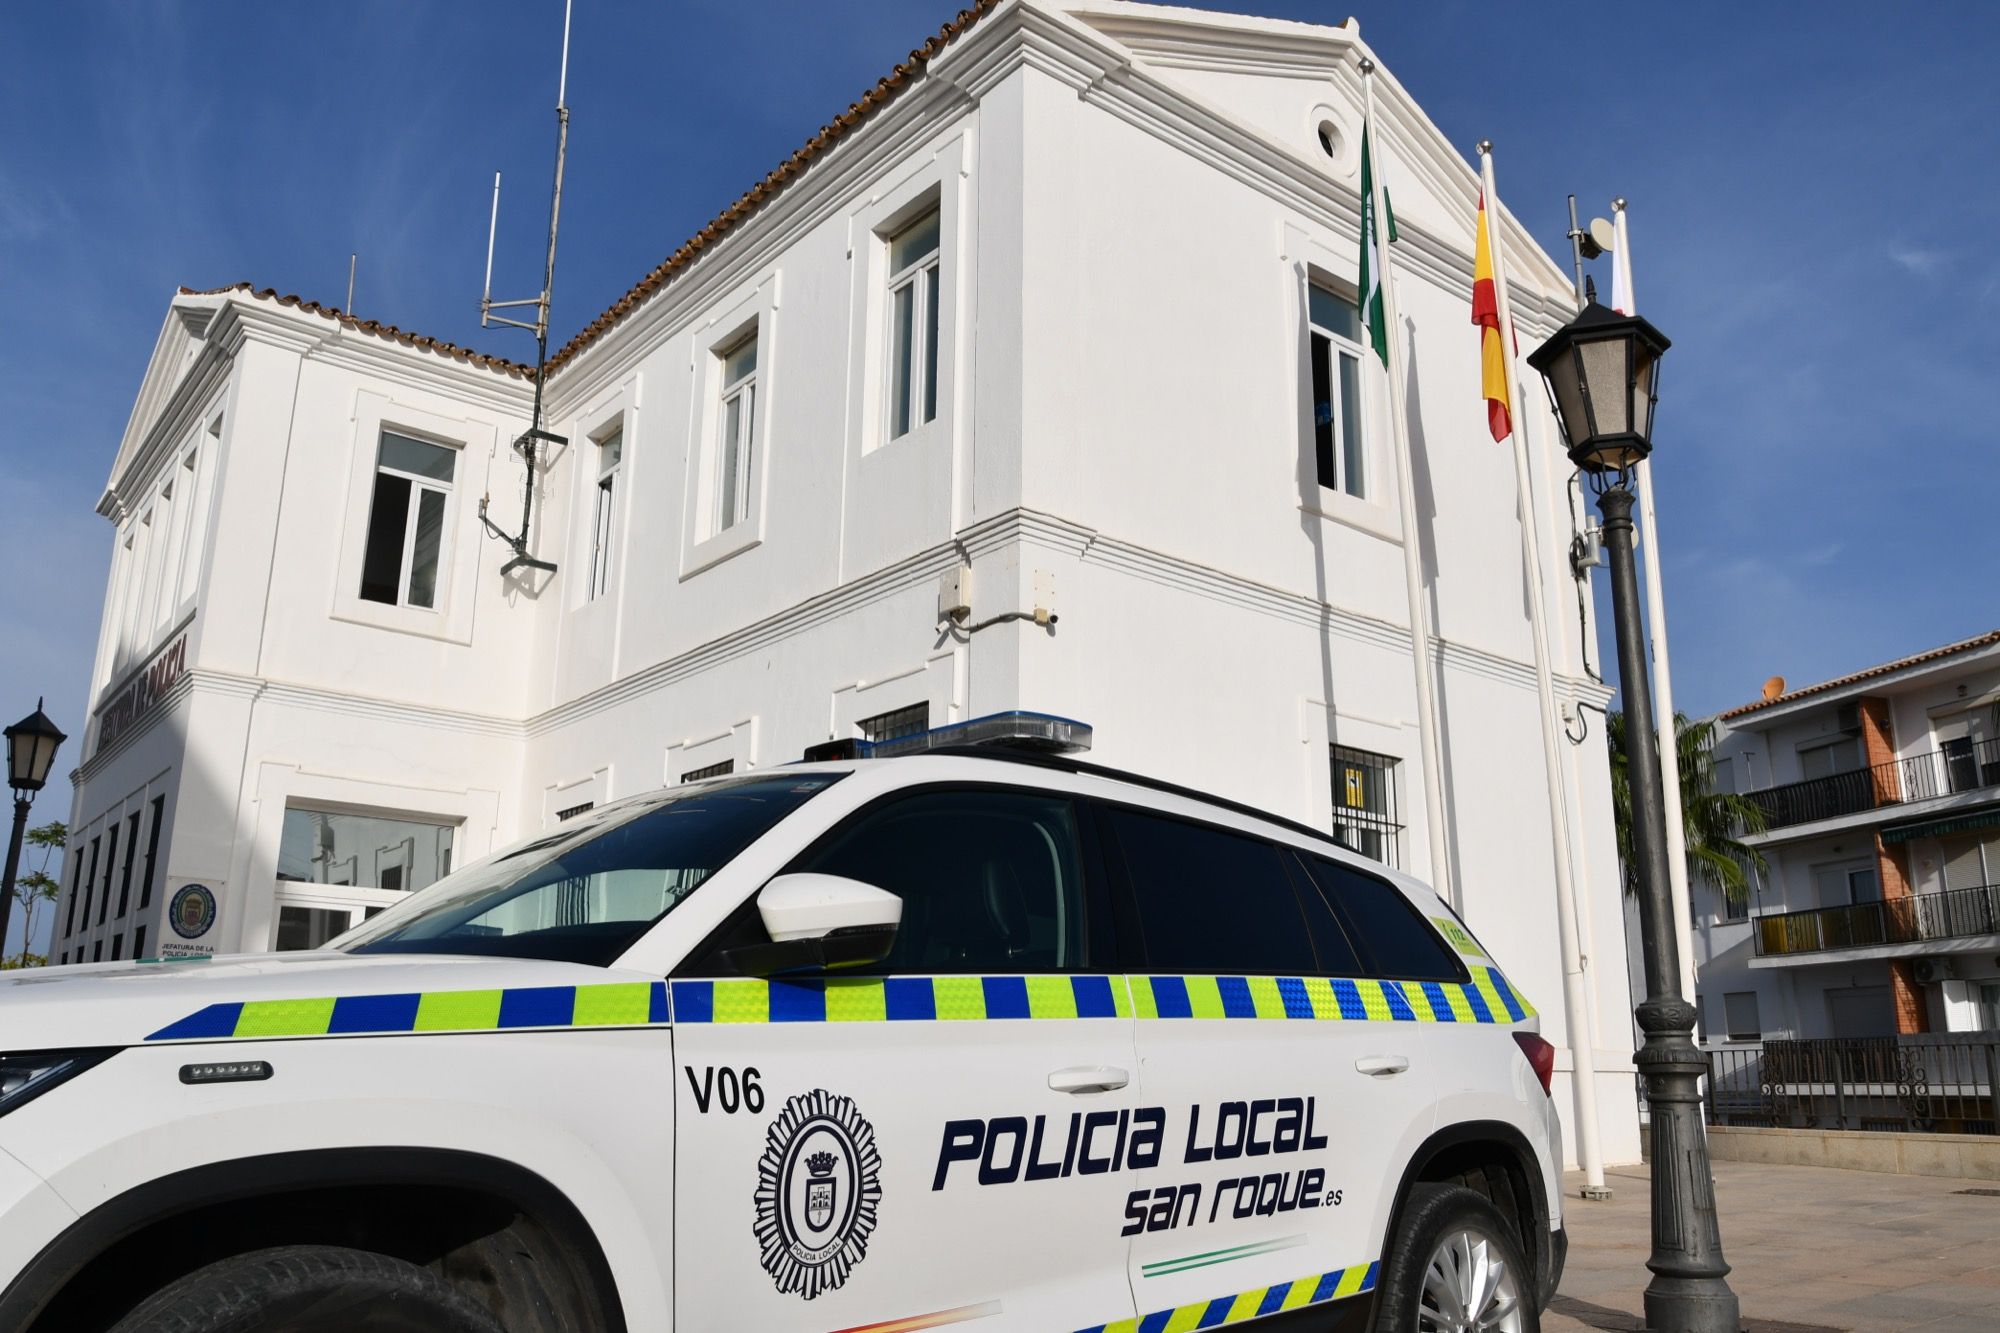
{"x": 1924, "y": 261}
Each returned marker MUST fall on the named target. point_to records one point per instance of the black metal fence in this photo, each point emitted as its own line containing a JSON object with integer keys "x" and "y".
{"x": 1939, "y": 1083}
{"x": 1962, "y": 767}
{"x": 1954, "y": 914}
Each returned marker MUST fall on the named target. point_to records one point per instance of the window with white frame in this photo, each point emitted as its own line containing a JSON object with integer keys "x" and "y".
{"x": 913, "y": 325}
{"x": 604, "y": 529}
{"x": 406, "y": 522}
{"x": 1335, "y": 349}
{"x": 338, "y": 868}
{"x": 1824, "y": 759}
{"x": 1739, "y": 1015}
{"x": 736, "y": 432}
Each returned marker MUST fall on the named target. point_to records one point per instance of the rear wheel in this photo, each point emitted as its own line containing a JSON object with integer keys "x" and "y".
{"x": 309, "y": 1289}
{"x": 1455, "y": 1267}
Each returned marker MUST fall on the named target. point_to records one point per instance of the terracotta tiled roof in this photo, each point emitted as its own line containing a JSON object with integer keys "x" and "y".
{"x": 873, "y": 100}
{"x": 884, "y": 91}
{"x": 373, "y": 327}
{"x": 1967, "y": 645}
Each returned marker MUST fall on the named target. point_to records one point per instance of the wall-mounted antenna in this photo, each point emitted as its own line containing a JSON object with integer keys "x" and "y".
{"x": 352, "y": 262}
{"x": 530, "y": 440}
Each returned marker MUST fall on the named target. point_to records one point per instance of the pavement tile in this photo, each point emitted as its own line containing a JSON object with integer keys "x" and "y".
{"x": 1811, "y": 1248}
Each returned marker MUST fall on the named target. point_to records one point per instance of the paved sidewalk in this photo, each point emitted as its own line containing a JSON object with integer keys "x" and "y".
{"x": 1810, "y": 1249}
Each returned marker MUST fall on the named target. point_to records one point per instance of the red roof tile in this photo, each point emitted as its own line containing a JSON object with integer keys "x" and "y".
{"x": 373, "y": 327}
{"x": 884, "y": 91}
{"x": 1965, "y": 646}
{"x": 877, "y": 97}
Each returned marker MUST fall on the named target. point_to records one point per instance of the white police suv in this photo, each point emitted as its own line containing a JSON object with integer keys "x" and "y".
{"x": 976, "y": 1037}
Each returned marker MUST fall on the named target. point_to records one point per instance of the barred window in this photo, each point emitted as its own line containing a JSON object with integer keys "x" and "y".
{"x": 896, "y": 723}
{"x": 571, "y": 812}
{"x": 1364, "y": 804}
{"x": 721, "y": 770}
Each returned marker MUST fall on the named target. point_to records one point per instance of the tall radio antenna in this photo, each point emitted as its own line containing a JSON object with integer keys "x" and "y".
{"x": 530, "y": 440}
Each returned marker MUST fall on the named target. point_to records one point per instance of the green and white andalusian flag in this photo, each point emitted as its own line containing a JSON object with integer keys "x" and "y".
{"x": 1370, "y": 285}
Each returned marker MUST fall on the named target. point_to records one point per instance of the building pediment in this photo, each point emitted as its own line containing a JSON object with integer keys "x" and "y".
{"x": 1289, "y": 81}
{"x": 177, "y": 356}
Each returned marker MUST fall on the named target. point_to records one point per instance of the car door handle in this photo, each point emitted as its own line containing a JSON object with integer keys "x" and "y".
{"x": 1088, "y": 1078}
{"x": 1382, "y": 1066}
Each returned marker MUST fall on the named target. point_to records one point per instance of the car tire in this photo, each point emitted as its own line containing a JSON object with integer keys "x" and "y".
{"x": 1455, "y": 1262}
{"x": 309, "y": 1289}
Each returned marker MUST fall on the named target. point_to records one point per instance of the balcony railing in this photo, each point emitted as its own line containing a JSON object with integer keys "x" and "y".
{"x": 1935, "y": 1084}
{"x": 1954, "y": 914}
{"x": 1959, "y": 768}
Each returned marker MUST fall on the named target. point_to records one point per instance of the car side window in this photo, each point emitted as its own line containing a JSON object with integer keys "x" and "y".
{"x": 1391, "y": 931}
{"x": 991, "y": 881}
{"x": 1210, "y": 900}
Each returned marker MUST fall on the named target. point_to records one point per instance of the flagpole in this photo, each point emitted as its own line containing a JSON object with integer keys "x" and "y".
{"x": 1656, "y": 616}
{"x": 1576, "y": 1002}
{"x": 1413, "y": 581}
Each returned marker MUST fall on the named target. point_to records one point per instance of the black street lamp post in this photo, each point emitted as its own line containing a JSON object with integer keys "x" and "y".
{"x": 1602, "y": 371}
{"x": 31, "y": 751}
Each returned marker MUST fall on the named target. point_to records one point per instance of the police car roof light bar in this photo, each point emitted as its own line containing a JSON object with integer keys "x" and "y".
{"x": 1015, "y": 730}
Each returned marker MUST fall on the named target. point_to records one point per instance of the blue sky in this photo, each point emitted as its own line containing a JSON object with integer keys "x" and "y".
{"x": 1812, "y": 191}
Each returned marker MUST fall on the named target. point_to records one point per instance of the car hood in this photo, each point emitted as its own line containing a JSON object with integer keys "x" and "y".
{"x": 123, "y": 1004}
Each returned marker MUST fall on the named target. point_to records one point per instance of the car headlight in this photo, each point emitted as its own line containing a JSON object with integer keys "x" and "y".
{"x": 29, "y": 1074}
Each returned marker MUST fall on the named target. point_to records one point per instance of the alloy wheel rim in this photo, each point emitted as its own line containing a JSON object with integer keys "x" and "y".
{"x": 1469, "y": 1287}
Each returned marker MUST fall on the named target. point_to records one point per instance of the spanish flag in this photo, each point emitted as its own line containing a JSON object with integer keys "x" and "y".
{"x": 1493, "y": 376}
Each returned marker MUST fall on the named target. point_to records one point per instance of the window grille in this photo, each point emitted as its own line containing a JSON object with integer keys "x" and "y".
{"x": 721, "y": 770}
{"x": 1364, "y": 804}
{"x": 573, "y": 811}
{"x": 896, "y": 723}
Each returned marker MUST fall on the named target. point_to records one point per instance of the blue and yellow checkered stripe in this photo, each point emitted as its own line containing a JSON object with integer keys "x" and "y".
{"x": 1488, "y": 998}
{"x": 900, "y": 999}
{"x": 613, "y": 1004}
{"x": 1246, "y": 1305}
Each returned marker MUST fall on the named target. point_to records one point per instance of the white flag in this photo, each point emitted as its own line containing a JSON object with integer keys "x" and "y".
{"x": 1621, "y": 268}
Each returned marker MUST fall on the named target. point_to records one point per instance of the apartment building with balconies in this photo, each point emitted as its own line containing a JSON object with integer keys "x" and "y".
{"x": 1878, "y": 909}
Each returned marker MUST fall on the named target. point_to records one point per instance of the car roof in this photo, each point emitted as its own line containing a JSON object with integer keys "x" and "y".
{"x": 1068, "y": 764}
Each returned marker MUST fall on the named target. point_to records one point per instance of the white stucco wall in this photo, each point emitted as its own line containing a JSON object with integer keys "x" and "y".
{"x": 1122, "y": 437}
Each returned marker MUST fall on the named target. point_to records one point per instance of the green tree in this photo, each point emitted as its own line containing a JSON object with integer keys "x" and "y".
{"x": 38, "y": 886}
{"x": 1712, "y": 822}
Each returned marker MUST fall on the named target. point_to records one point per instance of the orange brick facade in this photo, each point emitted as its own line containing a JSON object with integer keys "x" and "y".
{"x": 1878, "y": 750}
{"x": 1878, "y": 747}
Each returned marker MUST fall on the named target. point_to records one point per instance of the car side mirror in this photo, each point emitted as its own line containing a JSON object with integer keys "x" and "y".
{"x": 820, "y": 923}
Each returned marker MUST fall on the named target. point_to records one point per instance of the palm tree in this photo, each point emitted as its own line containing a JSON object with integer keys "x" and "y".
{"x": 1712, "y": 821}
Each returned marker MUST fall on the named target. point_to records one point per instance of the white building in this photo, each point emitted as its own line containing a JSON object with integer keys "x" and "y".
{"x": 1065, "y": 303}
{"x": 1879, "y": 912}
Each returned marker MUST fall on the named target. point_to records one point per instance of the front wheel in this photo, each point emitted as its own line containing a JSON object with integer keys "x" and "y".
{"x": 1455, "y": 1266}
{"x": 308, "y": 1289}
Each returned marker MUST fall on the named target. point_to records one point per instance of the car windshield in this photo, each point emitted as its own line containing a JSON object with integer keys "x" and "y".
{"x": 587, "y": 891}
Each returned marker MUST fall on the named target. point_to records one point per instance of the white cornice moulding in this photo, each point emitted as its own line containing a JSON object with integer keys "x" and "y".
{"x": 1014, "y": 527}
{"x": 1050, "y": 531}
{"x": 1103, "y": 72}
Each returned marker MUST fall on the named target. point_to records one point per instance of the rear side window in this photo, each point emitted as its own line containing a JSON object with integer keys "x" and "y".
{"x": 990, "y": 880}
{"x": 1391, "y": 933}
{"x": 1210, "y": 900}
